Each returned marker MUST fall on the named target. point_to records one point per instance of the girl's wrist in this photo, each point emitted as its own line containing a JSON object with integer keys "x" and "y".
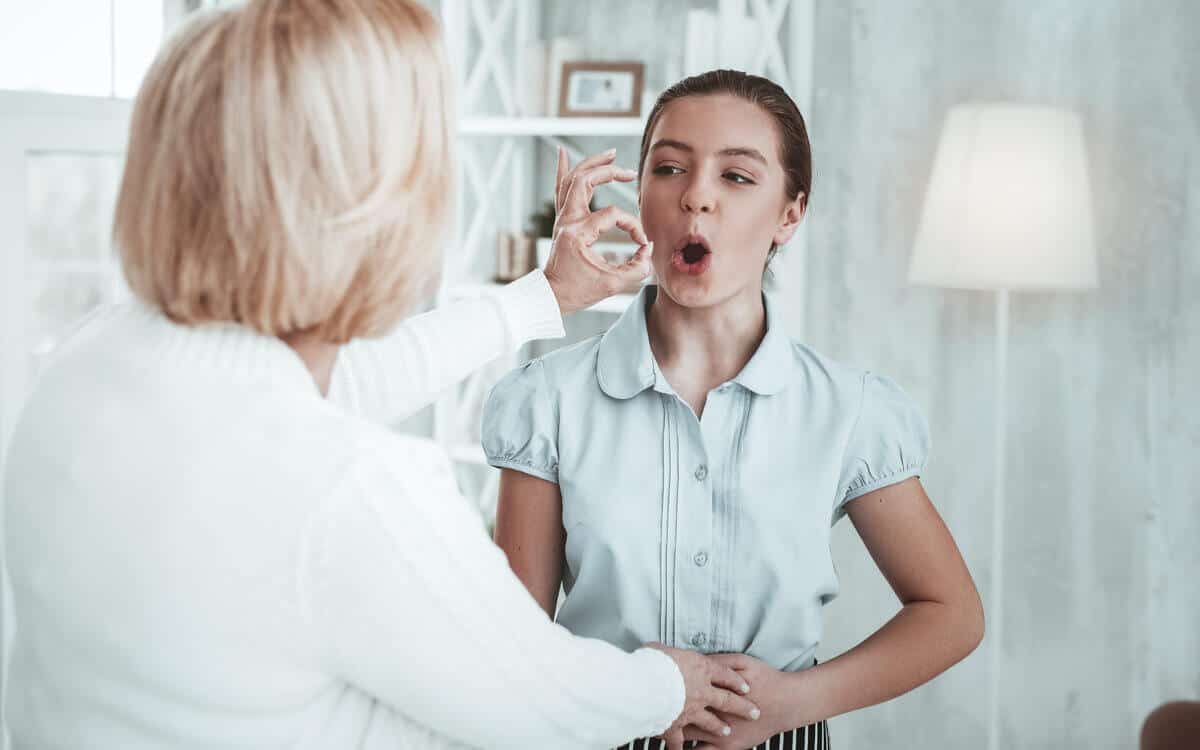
{"x": 805, "y": 697}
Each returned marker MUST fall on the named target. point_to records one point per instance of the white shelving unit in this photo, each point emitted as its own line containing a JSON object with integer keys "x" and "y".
{"x": 484, "y": 40}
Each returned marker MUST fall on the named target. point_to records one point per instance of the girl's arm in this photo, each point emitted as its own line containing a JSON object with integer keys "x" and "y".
{"x": 939, "y": 623}
{"x": 529, "y": 529}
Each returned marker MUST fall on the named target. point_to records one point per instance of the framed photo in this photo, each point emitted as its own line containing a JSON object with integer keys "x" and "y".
{"x": 601, "y": 89}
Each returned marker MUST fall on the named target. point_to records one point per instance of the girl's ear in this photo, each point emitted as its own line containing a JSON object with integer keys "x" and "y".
{"x": 793, "y": 214}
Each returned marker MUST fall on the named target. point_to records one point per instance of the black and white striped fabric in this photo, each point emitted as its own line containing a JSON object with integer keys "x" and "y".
{"x": 811, "y": 737}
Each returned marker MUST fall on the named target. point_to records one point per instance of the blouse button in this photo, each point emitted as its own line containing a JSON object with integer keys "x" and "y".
{"x": 701, "y": 473}
{"x": 701, "y": 559}
{"x": 699, "y": 639}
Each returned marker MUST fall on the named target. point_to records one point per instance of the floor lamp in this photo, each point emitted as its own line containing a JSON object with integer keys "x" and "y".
{"x": 1008, "y": 208}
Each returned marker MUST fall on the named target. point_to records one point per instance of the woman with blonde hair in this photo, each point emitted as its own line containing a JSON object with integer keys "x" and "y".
{"x": 206, "y": 546}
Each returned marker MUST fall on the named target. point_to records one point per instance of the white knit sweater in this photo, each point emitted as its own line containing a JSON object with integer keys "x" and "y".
{"x": 206, "y": 553}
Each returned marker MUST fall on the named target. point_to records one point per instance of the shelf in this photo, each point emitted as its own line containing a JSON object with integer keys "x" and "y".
{"x": 600, "y": 126}
{"x": 615, "y": 304}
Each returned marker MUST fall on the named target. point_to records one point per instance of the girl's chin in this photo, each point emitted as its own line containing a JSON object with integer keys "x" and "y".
{"x": 687, "y": 290}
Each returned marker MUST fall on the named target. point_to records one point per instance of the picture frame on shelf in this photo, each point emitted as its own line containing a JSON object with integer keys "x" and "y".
{"x": 601, "y": 89}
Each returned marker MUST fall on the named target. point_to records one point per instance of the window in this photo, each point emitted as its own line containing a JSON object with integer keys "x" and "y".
{"x": 72, "y": 268}
{"x": 80, "y": 47}
{"x": 68, "y": 72}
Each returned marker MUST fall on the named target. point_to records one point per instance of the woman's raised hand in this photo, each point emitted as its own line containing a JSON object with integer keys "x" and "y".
{"x": 579, "y": 277}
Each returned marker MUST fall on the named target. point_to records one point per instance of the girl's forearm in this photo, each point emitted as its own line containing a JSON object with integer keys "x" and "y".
{"x": 924, "y": 639}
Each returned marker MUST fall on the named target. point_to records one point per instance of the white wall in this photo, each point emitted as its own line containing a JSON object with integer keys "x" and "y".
{"x": 1103, "y": 609}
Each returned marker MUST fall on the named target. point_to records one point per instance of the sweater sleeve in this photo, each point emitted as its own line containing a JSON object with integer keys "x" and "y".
{"x": 393, "y": 377}
{"x": 413, "y": 604}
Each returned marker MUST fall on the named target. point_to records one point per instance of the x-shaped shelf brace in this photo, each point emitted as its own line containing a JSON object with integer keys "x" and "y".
{"x": 490, "y": 62}
{"x": 769, "y": 59}
{"x": 484, "y": 192}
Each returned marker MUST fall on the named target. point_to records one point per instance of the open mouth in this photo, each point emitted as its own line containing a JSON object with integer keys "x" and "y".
{"x": 692, "y": 256}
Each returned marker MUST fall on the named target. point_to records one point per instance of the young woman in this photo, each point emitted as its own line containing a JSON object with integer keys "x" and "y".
{"x": 679, "y": 475}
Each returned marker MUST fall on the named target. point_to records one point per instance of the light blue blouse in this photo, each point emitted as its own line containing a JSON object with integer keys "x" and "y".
{"x": 710, "y": 534}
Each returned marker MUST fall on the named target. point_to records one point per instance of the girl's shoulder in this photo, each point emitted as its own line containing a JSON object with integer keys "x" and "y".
{"x": 860, "y": 390}
{"x": 567, "y": 368}
{"x": 823, "y": 375}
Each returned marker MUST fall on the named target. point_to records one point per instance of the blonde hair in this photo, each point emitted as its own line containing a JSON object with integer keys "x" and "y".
{"x": 290, "y": 168}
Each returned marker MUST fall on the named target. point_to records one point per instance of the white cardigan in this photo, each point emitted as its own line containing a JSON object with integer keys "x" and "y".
{"x": 204, "y": 552}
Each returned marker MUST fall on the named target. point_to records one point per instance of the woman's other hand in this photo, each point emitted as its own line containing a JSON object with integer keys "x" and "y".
{"x": 579, "y": 277}
{"x": 775, "y": 694}
{"x": 712, "y": 688}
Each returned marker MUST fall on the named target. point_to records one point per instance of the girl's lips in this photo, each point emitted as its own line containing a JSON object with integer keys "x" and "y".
{"x": 680, "y": 264}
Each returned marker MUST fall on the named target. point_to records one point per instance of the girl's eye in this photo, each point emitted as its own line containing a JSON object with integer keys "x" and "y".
{"x": 667, "y": 169}
{"x": 739, "y": 179}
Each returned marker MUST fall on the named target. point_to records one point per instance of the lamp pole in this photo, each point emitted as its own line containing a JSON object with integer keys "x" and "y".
{"x": 995, "y": 627}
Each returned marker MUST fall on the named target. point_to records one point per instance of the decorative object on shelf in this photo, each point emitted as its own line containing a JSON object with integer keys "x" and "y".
{"x": 601, "y": 89}
{"x": 532, "y": 82}
{"x": 699, "y": 43}
{"x": 542, "y": 222}
{"x": 738, "y": 37}
{"x": 515, "y": 256}
{"x": 727, "y": 38}
{"x": 560, "y": 50}
{"x": 649, "y": 97}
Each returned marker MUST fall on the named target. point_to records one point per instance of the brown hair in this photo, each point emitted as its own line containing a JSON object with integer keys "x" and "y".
{"x": 290, "y": 168}
{"x": 795, "y": 151}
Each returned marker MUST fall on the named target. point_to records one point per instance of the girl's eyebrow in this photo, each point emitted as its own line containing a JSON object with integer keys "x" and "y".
{"x": 731, "y": 151}
{"x": 668, "y": 143}
{"x": 753, "y": 153}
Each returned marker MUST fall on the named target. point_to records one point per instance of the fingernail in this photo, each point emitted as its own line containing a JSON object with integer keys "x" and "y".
{"x": 755, "y": 713}
{"x": 611, "y": 151}
{"x": 745, "y": 688}
{"x": 726, "y": 731}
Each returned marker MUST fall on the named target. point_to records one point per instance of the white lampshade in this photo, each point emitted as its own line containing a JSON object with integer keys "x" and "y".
{"x": 1008, "y": 204}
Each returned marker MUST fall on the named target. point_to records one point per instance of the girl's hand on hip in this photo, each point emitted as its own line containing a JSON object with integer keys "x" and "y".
{"x": 714, "y": 696}
{"x": 579, "y": 277}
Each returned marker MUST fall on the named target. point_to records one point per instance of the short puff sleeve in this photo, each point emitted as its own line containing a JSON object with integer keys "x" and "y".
{"x": 520, "y": 423}
{"x": 888, "y": 444}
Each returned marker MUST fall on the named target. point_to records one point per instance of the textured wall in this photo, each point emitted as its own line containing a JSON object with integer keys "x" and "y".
{"x": 1103, "y": 511}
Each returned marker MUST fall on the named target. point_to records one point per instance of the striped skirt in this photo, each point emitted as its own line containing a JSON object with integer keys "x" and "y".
{"x": 811, "y": 737}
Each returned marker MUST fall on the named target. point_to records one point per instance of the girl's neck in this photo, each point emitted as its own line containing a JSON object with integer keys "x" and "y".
{"x": 706, "y": 346}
